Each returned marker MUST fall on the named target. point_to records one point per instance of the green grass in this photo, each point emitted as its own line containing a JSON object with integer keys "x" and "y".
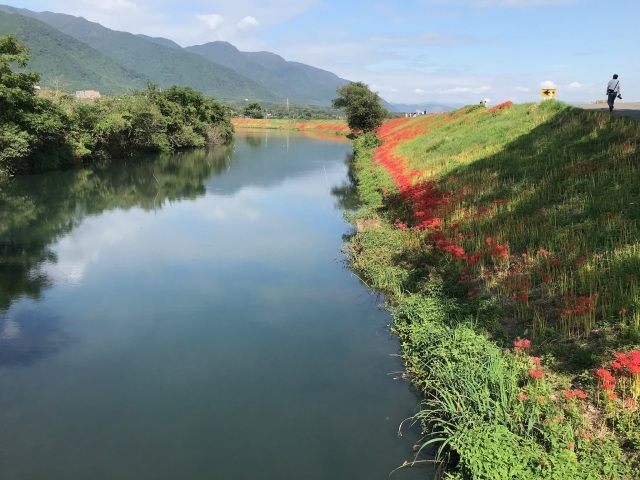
{"x": 540, "y": 198}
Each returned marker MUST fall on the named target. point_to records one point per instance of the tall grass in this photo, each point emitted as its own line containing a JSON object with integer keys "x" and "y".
{"x": 488, "y": 225}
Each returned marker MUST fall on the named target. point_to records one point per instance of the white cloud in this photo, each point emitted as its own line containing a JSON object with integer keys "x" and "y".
{"x": 547, "y": 84}
{"x": 247, "y": 23}
{"x": 212, "y": 20}
{"x": 522, "y": 89}
{"x": 575, "y": 85}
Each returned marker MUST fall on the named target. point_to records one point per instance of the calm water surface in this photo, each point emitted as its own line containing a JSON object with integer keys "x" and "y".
{"x": 190, "y": 317}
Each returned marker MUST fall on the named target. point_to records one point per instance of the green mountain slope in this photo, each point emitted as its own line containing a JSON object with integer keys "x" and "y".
{"x": 163, "y": 65}
{"x": 65, "y": 63}
{"x": 293, "y": 80}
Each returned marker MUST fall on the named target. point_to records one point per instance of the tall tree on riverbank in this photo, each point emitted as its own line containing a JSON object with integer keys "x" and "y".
{"x": 32, "y": 129}
{"x": 362, "y": 107}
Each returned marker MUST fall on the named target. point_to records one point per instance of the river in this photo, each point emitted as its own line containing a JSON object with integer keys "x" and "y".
{"x": 190, "y": 316}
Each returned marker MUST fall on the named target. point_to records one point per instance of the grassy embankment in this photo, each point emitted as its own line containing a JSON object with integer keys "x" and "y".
{"x": 338, "y": 127}
{"x": 509, "y": 242}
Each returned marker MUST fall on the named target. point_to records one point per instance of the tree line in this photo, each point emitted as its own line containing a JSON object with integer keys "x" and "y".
{"x": 39, "y": 133}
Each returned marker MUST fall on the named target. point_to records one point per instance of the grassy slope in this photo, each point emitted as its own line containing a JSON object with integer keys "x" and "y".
{"x": 521, "y": 221}
{"x": 339, "y": 127}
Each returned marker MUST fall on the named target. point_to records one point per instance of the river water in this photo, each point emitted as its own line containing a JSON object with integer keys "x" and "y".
{"x": 190, "y": 316}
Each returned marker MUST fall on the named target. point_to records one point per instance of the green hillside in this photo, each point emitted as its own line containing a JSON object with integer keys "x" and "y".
{"x": 164, "y": 65}
{"x": 66, "y": 63}
{"x": 296, "y": 81}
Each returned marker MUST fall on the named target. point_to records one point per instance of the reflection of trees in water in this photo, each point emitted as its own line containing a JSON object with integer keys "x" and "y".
{"x": 347, "y": 193}
{"x": 254, "y": 141}
{"x": 36, "y": 211}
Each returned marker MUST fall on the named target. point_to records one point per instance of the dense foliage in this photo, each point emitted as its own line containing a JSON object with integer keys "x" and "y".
{"x": 38, "y": 133}
{"x": 362, "y": 107}
{"x": 253, "y": 110}
{"x": 513, "y": 283}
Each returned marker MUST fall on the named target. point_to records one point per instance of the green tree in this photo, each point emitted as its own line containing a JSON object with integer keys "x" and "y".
{"x": 362, "y": 107}
{"x": 253, "y": 110}
{"x": 33, "y": 131}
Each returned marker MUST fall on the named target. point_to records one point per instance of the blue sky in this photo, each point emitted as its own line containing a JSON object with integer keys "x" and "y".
{"x": 413, "y": 51}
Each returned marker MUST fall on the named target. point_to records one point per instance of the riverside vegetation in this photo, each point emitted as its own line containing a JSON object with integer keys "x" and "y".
{"x": 508, "y": 242}
{"x": 43, "y": 131}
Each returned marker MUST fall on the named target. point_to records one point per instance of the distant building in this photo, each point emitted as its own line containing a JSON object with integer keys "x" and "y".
{"x": 87, "y": 94}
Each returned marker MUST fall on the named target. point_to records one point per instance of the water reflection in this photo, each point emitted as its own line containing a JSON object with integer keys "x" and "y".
{"x": 182, "y": 306}
{"x": 29, "y": 337}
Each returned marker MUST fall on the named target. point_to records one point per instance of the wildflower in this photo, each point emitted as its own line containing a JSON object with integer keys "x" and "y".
{"x": 612, "y": 396}
{"x": 623, "y": 311}
{"x": 536, "y": 361}
{"x": 522, "y": 344}
{"x": 569, "y": 394}
{"x": 580, "y": 394}
{"x": 570, "y": 446}
{"x": 536, "y": 373}
{"x": 605, "y": 375}
{"x": 522, "y": 397}
{"x": 541, "y": 400}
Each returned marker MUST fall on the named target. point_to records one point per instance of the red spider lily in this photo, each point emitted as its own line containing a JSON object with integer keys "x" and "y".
{"x": 605, "y": 375}
{"x": 569, "y": 394}
{"x": 580, "y": 394}
{"x": 522, "y": 397}
{"x": 522, "y": 344}
{"x": 536, "y": 373}
{"x": 499, "y": 107}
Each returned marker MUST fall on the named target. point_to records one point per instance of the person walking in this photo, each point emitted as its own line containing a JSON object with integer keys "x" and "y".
{"x": 613, "y": 91}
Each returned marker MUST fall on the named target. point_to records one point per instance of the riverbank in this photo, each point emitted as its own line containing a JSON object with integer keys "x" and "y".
{"x": 337, "y": 127}
{"x": 509, "y": 244}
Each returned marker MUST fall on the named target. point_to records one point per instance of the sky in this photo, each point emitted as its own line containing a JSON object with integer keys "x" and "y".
{"x": 410, "y": 51}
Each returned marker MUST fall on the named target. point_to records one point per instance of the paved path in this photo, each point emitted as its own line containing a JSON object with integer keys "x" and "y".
{"x": 628, "y": 109}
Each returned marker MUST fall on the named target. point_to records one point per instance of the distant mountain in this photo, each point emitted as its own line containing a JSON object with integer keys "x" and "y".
{"x": 165, "y": 42}
{"x": 296, "y": 81}
{"x": 163, "y": 65}
{"x": 81, "y": 55}
{"x": 66, "y": 63}
{"x": 429, "y": 107}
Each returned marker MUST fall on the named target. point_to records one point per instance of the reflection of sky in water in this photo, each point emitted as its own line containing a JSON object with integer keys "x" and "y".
{"x": 214, "y": 338}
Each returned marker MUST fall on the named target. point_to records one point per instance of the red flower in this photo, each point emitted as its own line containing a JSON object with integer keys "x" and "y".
{"x": 536, "y": 373}
{"x": 522, "y": 397}
{"x": 580, "y": 394}
{"x": 569, "y": 394}
{"x": 605, "y": 375}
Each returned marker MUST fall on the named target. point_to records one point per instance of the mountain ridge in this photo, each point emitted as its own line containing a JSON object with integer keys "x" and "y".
{"x": 96, "y": 57}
